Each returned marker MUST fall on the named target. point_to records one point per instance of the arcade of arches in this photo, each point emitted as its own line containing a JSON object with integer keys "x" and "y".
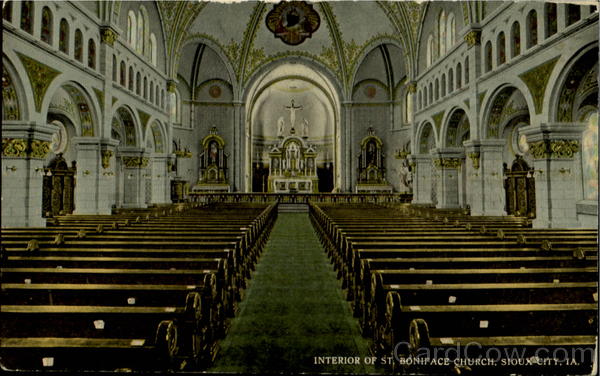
{"x": 487, "y": 106}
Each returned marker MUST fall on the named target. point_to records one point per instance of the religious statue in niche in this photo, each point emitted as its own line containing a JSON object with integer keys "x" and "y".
{"x": 293, "y": 21}
{"x": 371, "y": 165}
{"x": 213, "y": 164}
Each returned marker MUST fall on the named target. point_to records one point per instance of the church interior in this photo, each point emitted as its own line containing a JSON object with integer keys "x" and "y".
{"x": 300, "y": 187}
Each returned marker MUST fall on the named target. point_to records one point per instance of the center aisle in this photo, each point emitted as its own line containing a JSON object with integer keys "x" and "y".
{"x": 293, "y": 310}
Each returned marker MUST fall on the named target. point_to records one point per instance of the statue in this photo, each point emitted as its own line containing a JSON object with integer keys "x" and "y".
{"x": 305, "y": 131}
{"x": 280, "y": 126}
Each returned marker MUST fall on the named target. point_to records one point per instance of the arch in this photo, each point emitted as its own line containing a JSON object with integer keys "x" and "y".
{"x": 430, "y": 50}
{"x": 131, "y": 126}
{"x": 328, "y": 93}
{"x": 456, "y": 128}
{"x": 20, "y": 83}
{"x": 78, "y": 53}
{"x": 427, "y": 137}
{"x": 158, "y": 137}
{"x": 12, "y": 108}
{"x": 87, "y": 111}
{"x": 576, "y": 86}
{"x": 142, "y": 30}
{"x": 47, "y": 26}
{"x": 63, "y": 37}
{"x": 507, "y": 102}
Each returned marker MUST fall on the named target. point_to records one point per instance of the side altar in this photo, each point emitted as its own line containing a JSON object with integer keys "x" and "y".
{"x": 371, "y": 166}
{"x": 212, "y": 176}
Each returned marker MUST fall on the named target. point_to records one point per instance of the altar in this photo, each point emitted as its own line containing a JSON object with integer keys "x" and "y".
{"x": 293, "y": 167}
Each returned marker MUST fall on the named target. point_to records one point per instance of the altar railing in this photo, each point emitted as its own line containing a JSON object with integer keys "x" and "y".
{"x": 301, "y": 198}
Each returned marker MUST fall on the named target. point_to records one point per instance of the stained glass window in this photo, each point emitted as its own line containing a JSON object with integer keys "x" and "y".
{"x": 532, "y": 27}
{"x": 92, "y": 54}
{"x": 551, "y": 19}
{"x": 7, "y": 10}
{"x": 501, "y": 48}
{"x": 27, "y": 16}
{"x": 488, "y": 56}
{"x": 63, "y": 37}
{"x": 46, "y": 33}
{"x": 516, "y": 39}
{"x": 78, "y": 45}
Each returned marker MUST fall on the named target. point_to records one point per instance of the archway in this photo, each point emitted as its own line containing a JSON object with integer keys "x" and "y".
{"x": 457, "y": 132}
{"x": 293, "y": 101}
{"x": 129, "y": 187}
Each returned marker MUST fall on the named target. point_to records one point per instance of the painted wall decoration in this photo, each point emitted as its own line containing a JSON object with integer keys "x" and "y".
{"x": 293, "y": 21}
{"x": 10, "y": 101}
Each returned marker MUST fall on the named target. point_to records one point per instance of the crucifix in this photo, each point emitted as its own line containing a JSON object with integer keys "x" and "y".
{"x": 292, "y": 109}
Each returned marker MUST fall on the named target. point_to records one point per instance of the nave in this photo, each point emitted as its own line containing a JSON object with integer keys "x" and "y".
{"x": 243, "y": 288}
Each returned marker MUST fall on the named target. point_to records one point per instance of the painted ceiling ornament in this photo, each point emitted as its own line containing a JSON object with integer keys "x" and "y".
{"x": 293, "y": 21}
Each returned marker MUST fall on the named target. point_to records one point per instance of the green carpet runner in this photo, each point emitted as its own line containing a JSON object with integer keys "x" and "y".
{"x": 293, "y": 311}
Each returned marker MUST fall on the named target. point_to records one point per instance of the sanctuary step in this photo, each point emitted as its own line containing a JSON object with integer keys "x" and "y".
{"x": 292, "y": 208}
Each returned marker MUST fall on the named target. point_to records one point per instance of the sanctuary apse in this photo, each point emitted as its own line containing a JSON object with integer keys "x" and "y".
{"x": 158, "y": 100}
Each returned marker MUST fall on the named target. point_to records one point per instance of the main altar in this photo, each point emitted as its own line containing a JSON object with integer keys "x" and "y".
{"x": 293, "y": 166}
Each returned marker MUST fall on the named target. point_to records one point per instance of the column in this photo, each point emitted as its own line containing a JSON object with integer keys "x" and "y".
{"x": 554, "y": 148}
{"x": 87, "y": 183}
{"x": 24, "y": 150}
{"x": 493, "y": 196}
{"x": 135, "y": 164}
{"x": 107, "y": 186}
{"x": 448, "y": 162}
{"x": 474, "y": 181}
{"x": 239, "y": 167}
{"x": 160, "y": 180}
{"x": 421, "y": 165}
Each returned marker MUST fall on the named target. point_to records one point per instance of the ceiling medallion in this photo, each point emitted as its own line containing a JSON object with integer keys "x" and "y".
{"x": 214, "y": 91}
{"x": 293, "y": 21}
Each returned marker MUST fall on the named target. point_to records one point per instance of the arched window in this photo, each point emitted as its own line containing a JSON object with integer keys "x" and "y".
{"x": 437, "y": 89}
{"x": 425, "y": 101}
{"x": 114, "y": 69}
{"x": 501, "y": 48}
{"x": 27, "y": 16}
{"x": 551, "y": 19}
{"x": 408, "y": 107}
{"x": 458, "y": 76}
{"x": 141, "y": 32}
{"x": 515, "y": 37}
{"x": 92, "y": 54}
{"x": 450, "y": 31}
{"x": 175, "y": 107}
{"x": 488, "y": 56}
{"x": 450, "y": 81}
{"x": 131, "y": 29}
{"x": 122, "y": 74}
{"x": 420, "y": 99}
{"x": 157, "y": 96}
{"x": 430, "y": 50}
{"x": 138, "y": 83}
{"x": 63, "y": 37}
{"x": 467, "y": 70}
{"x": 532, "y": 26}
{"x": 130, "y": 79}
{"x": 153, "y": 47}
{"x": 573, "y": 13}
{"x": 443, "y": 85}
{"x": 78, "y": 45}
{"x": 442, "y": 33}
{"x": 46, "y": 33}
{"x": 145, "y": 88}
{"x": 162, "y": 99}
{"x": 7, "y": 10}
{"x": 151, "y": 92}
